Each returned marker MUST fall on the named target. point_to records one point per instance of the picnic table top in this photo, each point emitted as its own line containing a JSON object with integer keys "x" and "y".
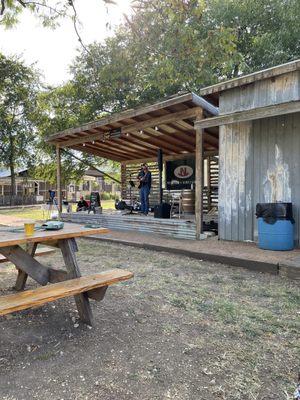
{"x": 9, "y": 238}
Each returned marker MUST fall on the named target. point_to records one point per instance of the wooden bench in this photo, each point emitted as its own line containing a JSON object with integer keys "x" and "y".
{"x": 40, "y": 252}
{"x": 45, "y": 294}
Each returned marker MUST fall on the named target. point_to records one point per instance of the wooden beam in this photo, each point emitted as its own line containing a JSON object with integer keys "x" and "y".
{"x": 166, "y": 158}
{"x": 82, "y": 301}
{"x": 22, "y": 276}
{"x": 151, "y": 122}
{"x": 99, "y": 153}
{"x": 26, "y": 263}
{"x": 58, "y": 179}
{"x": 123, "y": 143}
{"x": 249, "y": 115}
{"x": 123, "y": 115}
{"x": 255, "y": 76}
{"x": 199, "y": 179}
{"x": 184, "y": 141}
{"x": 114, "y": 148}
{"x": 208, "y": 165}
{"x": 172, "y": 157}
{"x": 161, "y": 143}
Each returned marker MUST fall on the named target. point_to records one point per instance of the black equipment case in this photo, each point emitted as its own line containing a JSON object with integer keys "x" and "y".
{"x": 162, "y": 210}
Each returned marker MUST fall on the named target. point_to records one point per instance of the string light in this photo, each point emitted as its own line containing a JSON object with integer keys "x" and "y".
{"x": 83, "y": 144}
{"x": 141, "y": 132}
{"x": 156, "y": 128}
{"x": 93, "y": 142}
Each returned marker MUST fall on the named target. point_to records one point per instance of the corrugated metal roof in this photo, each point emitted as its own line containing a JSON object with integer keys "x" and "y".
{"x": 255, "y": 76}
{"x": 5, "y": 173}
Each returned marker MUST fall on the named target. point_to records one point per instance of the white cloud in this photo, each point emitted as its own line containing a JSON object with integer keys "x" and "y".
{"x": 53, "y": 50}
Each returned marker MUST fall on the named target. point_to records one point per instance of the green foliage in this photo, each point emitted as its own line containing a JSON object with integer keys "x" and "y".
{"x": 108, "y": 196}
{"x": 266, "y": 32}
{"x": 169, "y": 46}
{"x": 48, "y": 12}
{"x": 19, "y": 86}
{"x": 59, "y": 109}
{"x": 165, "y": 47}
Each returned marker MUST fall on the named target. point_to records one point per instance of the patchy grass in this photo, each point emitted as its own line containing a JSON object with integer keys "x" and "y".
{"x": 182, "y": 329}
{"x": 36, "y": 213}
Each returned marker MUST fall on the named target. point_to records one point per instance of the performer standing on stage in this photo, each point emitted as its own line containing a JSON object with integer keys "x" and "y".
{"x": 144, "y": 178}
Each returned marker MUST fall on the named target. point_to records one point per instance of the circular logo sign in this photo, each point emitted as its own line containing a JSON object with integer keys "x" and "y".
{"x": 183, "y": 172}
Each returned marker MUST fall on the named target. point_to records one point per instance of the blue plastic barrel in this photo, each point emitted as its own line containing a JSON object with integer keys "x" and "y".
{"x": 277, "y": 236}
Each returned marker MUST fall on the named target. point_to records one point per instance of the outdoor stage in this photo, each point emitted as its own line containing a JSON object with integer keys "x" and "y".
{"x": 183, "y": 228}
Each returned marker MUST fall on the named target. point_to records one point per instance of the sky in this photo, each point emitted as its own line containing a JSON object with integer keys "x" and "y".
{"x": 54, "y": 50}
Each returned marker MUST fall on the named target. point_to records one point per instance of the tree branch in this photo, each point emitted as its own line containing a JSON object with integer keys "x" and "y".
{"x": 22, "y": 3}
{"x": 2, "y": 7}
{"x": 46, "y": 6}
{"x": 75, "y": 19}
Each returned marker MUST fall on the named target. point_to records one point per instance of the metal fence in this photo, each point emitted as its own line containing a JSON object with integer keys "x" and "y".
{"x": 18, "y": 200}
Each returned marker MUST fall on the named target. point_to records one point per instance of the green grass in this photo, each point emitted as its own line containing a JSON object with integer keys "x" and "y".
{"x": 36, "y": 213}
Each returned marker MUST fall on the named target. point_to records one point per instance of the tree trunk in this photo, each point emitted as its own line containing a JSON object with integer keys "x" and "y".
{"x": 12, "y": 171}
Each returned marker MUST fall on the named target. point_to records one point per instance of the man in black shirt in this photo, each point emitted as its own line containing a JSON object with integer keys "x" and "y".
{"x": 82, "y": 205}
{"x": 145, "y": 183}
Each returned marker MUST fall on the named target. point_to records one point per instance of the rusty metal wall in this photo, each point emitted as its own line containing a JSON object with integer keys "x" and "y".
{"x": 259, "y": 162}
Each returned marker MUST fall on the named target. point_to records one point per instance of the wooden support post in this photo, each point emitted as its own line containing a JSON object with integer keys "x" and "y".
{"x": 58, "y": 178}
{"x": 199, "y": 178}
{"x": 208, "y": 160}
{"x": 24, "y": 261}
{"x": 123, "y": 181}
{"x": 82, "y": 301}
{"x": 22, "y": 275}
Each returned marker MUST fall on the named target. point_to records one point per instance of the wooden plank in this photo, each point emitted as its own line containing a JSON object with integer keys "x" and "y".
{"x": 170, "y": 157}
{"x": 58, "y": 178}
{"x": 82, "y": 301}
{"x": 255, "y": 76}
{"x": 38, "y": 253}
{"x": 249, "y": 115}
{"x": 123, "y": 115}
{"x": 43, "y": 295}
{"x": 151, "y": 122}
{"x": 60, "y": 275}
{"x": 24, "y": 261}
{"x": 100, "y": 153}
{"x": 69, "y": 231}
{"x": 22, "y": 276}
{"x": 199, "y": 179}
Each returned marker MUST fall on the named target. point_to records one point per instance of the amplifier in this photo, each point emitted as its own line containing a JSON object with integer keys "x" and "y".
{"x": 162, "y": 210}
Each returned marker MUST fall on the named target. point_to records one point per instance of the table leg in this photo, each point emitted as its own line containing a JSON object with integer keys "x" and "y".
{"x": 22, "y": 276}
{"x": 82, "y": 302}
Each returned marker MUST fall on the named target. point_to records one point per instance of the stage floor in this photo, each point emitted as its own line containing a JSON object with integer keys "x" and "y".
{"x": 183, "y": 228}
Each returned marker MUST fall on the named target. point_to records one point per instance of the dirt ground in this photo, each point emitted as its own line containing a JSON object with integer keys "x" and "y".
{"x": 182, "y": 329}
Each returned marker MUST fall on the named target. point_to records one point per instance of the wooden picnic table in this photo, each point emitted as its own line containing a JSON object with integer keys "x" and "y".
{"x": 93, "y": 286}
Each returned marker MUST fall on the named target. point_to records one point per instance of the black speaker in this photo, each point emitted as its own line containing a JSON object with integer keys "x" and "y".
{"x": 160, "y": 159}
{"x": 162, "y": 210}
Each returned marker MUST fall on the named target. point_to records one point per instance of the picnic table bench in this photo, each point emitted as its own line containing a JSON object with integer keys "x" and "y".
{"x": 63, "y": 282}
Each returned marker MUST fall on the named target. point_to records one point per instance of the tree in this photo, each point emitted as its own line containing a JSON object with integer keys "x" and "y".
{"x": 162, "y": 49}
{"x": 58, "y": 109}
{"x": 168, "y": 46}
{"x": 267, "y": 33}
{"x": 49, "y": 12}
{"x": 19, "y": 85}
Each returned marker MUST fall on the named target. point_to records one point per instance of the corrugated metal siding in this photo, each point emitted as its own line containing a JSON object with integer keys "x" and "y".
{"x": 259, "y": 162}
{"x": 282, "y": 89}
